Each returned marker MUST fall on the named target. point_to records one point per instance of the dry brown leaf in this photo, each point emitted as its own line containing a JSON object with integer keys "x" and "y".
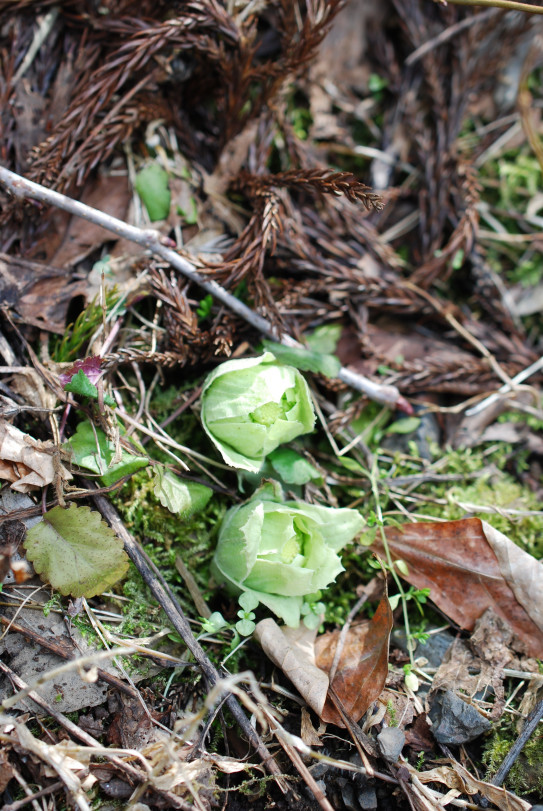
{"x": 6, "y": 770}
{"x": 293, "y": 651}
{"x": 399, "y": 708}
{"x": 308, "y": 733}
{"x": 29, "y": 384}
{"x": 475, "y": 664}
{"x": 457, "y": 777}
{"x": 361, "y": 671}
{"x": 228, "y": 765}
{"x": 24, "y": 463}
{"x": 111, "y": 194}
{"x": 39, "y": 293}
{"x": 363, "y": 664}
{"x": 469, "y": 567}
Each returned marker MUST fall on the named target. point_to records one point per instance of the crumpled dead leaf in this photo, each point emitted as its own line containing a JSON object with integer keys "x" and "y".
{"x": 293, "y": 651}
{"x": 362, "y": 668}
{"x": 309, "y": 735}
{"x": 363, "y": 664}
{"x": 68, "y": 245}
{"x": 172, "y": 770}
{"x": 40, "y": 294}
{"x": 457, "y": 777}
{"x": 24, "y": 463}
{"x": 475, "y": 664}
{"x": 56, "y": 759}
{"x": 469, "y": 566}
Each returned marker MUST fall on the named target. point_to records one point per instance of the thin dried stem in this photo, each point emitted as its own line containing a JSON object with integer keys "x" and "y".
{"x": 510, "y": 5}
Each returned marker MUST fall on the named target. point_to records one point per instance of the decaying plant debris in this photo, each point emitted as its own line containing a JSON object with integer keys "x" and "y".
{"x": 297, "y": 198}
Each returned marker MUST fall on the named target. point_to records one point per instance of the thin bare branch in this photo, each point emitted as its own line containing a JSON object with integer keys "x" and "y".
{"x": 160, "y": 246}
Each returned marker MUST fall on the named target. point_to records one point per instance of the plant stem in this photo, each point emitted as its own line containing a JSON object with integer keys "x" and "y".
{"x": 390, "y": 563}
{"x": 511, "y": 5}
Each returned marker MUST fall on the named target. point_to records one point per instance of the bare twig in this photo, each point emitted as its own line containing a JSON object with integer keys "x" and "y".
{"x": 507, "y": 4}
{"x": 520, "y": 378}
{"x": 32, "y": 797}
{"x": 446, "y": 35}
{"x": 162, "y": 246}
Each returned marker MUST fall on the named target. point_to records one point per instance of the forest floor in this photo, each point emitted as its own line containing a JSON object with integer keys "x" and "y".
{"x": 271, "y": 441}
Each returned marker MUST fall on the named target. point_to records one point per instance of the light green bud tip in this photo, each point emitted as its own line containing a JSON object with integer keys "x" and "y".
{"x": 281, "y": 552}
{"x": 251, "y": 406}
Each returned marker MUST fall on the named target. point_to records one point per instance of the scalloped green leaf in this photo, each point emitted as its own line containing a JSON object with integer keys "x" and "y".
{"x": 76, "y": 552}
{"x": 182, "y": 497}
{"x": 81, "y": 385}
{"x": 324, "y": 339}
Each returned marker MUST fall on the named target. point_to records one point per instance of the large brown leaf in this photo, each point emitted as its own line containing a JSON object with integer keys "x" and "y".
{"x": 469, "y": 567}
{"x": 363, "y": 664}
{"x": 361, "y": 671}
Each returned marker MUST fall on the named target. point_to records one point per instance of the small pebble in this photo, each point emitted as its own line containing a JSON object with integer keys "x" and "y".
{"x": 391, "y": 741}
{"x": 367, "y": 798}
{"x": 347, "y": 795}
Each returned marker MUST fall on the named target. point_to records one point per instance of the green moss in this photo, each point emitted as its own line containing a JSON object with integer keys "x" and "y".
{"x": 165, "y": 536}
{"x": 526, "y": 776}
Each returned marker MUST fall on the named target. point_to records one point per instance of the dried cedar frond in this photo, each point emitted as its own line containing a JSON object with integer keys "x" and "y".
{"x": 321, "y": 181}
{"x": 203, "y": 28}
{"x": 180, "y": 321}
{"x": 124, "y": 355}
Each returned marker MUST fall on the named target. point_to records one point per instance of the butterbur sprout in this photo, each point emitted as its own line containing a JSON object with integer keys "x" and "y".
{"x": 251, "y": 406}
{"x": 280, "y": 552}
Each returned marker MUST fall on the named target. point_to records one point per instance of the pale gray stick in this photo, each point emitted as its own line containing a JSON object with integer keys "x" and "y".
{"x": 162, "y": 246}
{"x": 520, "y": 378}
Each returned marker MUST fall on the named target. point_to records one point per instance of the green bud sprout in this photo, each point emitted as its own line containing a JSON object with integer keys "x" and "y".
{"x": 251, "y": 406}
{"x": 282, "y": 552}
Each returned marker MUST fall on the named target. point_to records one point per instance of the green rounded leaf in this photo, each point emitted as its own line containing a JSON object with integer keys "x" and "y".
{"x": 92, "y": 450}
{"x": 76, "y": 551}
{"x": 404, "y": 426}
{"x": 152, "y": 186}
{"x": 324, "y": 339}
{"x": 245, "y": 627}
{"x": 293, "y": 468}
{"x": 306, "y": 359}
{"x": 178, "y": 496}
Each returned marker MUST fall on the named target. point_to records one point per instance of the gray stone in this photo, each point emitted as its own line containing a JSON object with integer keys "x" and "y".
{"x": 347, "y": 794}
{"x": 320, "y": 769}
{"x": 367, "y": 798}
{"x": 391, "y": 741}
{"x": 454, "y": 721}
{"x": 66, "y": 693}
{"x": 434, "y": 649}
{"x": 424, "y": 436}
